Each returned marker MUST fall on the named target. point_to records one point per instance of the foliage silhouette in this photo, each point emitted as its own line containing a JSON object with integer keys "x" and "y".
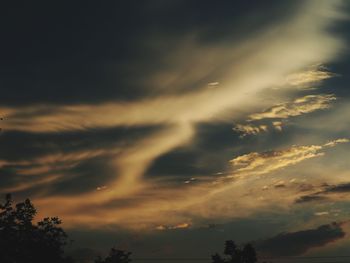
{"x": 235, "y": 254}
{"x": 115, "y": 256}
{"x": 21, "y": 241}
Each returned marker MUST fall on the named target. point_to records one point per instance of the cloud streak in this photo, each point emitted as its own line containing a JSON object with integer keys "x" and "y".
{"x": 312, "y": 76}
{"x": 262, "y": 163}
{"x": 299, "y": 106}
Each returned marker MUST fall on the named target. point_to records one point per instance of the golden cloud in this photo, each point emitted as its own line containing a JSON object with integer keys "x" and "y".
{"x": 312, "y": 76}
{"x": 299, "y": 106}
{"x": 178, "y": 226}
{"x": 262, "y": 163}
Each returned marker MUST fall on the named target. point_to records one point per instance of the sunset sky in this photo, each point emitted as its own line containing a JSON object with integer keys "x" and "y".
{"x": 169, "y": 126}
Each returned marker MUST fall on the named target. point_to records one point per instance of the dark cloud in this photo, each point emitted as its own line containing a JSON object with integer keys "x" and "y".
{"x": 321, "y": 195}
{"x": 280, "y": 186}
{"x": 24, "y": 145}
{"x": 85, "y": 177}
{"x": 340, "y": 188}
{"x": 82, "y": 159}
{"x": 341, "y": 66}
{"x": 297, "y": 243}
{"x": 209, "y": 153}
{"x": 310, "y": 198}
{"x": 179, "y": 163}
{"x": 69, "y": 53}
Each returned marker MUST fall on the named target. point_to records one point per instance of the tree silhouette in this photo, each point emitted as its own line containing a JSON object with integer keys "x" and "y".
{"x": 249, "y": 254}
{"x": 21, "y": 241}
{"x": 234, "y": 254}
{"x": 217, "y": 258}
{"x": 115, "y": 256}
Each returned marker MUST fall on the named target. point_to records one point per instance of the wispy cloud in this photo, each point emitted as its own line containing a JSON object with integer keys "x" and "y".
{"x": 299, "y": 106}
{"x": 262, "y": 163}
{"x": 178, "y": 226}
{"x": 309, "y": 78}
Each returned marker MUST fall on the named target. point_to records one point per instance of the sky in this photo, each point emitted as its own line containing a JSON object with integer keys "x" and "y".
{"x": 168, "y": 127}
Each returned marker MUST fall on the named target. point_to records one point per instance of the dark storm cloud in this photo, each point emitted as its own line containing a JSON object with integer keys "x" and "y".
{"x": 324, "y": 193}
{"x": 58, "y": 53}
{"x": 297, "y": 243}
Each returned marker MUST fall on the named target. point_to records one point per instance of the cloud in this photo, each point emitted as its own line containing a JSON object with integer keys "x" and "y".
{"x": 249, "y": 129}
{"x": 27, "y": 183}
{"x": 254, "y": 160}
{"x": 340, "y": 188}
{"x": 194, "y": 108}
{"x": 262, "y": 163}
{"x": 335, "y": 142}
{"x": 326, "y": 192}
{"x": 49, "y": 168}
{"x": 277, "y": 125}
{"x": 299, "y": 106}
{"x": 212, "y": 84}
{"x": 323, "y": 213}
{"x": 309, "y": 198}
{"x": 280, "y": 184}
{"x": 314, "y": 75}
{"x": 178, "y": 226}
{"x": 162, "y": 204}
{"x": 297, "y": 243}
